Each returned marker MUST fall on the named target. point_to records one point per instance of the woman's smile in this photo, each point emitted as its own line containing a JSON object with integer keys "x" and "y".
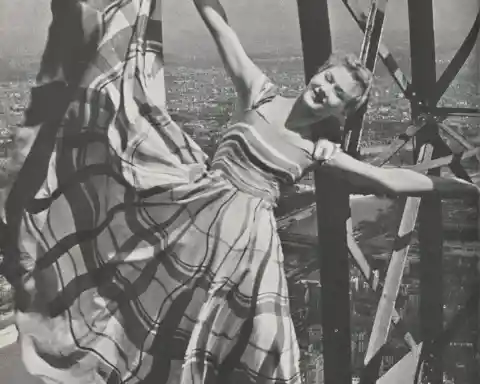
{"x": 319, "y": 95}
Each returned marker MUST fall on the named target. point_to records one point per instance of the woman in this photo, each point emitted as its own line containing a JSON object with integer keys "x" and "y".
{"x": 339, "y": 87}
{"x": 147, "y": 267}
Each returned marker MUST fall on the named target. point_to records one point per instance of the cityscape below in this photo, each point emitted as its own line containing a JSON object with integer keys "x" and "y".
{"x": 201, "y": 101}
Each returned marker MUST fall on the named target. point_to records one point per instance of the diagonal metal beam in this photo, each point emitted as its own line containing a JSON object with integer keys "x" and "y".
{"x": 398, "y": 144}
{"x": 442, "y": 161}
{"x": 411, "y": 132}
{"x": 458, "y": 137}
{"x": 455, "y": 166}
{"x": 399, "y": 76}
{"x": 394, "y": 276}
{"x": 368, "y": 56}
{"x": 455, "y": 135}
{"x": 392, "y": 66}
{"x": 376, "y": 285}
{"x": 404, "y": 371}
{"x": 373, "y": 33}
{"x": 457, "y": 62}
{"x": 358, "y": 257}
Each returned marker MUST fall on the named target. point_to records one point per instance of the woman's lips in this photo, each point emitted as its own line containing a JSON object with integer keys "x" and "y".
{"x": 319, "y": 95}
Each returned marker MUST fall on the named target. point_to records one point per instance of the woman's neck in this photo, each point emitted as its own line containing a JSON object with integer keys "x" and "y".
{"x": 297, "y": 116}
{"x": 281, "y": 111}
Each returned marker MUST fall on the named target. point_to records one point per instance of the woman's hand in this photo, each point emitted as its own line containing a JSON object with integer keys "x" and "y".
{"x": 324, "y": 150}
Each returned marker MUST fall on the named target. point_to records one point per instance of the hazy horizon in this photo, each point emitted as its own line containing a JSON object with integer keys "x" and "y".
{"x": 272, "y": 26}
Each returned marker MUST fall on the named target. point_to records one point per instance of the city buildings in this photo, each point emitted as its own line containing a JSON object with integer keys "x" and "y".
{"x": 459, "y": 269}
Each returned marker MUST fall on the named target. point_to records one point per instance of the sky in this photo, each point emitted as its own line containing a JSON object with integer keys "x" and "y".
{"x": 264, "y": 26}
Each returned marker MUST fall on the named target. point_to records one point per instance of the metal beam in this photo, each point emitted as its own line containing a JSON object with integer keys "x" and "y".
{"x": 376, "y": 285}
{"x": 302, "y": 241}
{"x": 333, "y": 211}
{"x": 422, "y": 48}
{"x": 455, "y": 135}
{"x": 458, "y": 61}
{"x": 400, "y": 78}
{"x": 443, "y": 161}
{"x": 398, "y": 144}
{"x": 446, "y": 112}
{"x": 368, "y": 56}
{"x": 383, "y": 318}
{"x": 455, "y": 166}
{"x": 430, "y": 234}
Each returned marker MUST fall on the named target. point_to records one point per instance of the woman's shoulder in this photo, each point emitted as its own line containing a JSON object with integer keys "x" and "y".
{"x": 267, "y": 102}
{"x": 277, "y": 109}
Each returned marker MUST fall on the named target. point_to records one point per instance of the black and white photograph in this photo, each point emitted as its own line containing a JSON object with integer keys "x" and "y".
{"x": 239, "y": 191}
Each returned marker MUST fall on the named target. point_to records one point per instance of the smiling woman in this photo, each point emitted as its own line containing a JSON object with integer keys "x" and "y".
{"x": 337, "y": 88}
{"x": 143, "y": 262}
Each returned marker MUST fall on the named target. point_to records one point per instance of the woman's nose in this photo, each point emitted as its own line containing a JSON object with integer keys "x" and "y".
{"x": 329, "y": 92}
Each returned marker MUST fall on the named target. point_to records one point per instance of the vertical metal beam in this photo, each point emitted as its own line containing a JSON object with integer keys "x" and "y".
{"x": 422, "y": 47}
{"x": 333, "y": 211}
{"x": 476, "y": 318}
{"x": 474, "y": 323}
{"x": 422, "y": 50}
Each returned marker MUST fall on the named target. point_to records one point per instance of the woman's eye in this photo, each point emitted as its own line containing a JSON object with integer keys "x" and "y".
{"x": 329, "y": 77}
{"x": 340, "y": 93}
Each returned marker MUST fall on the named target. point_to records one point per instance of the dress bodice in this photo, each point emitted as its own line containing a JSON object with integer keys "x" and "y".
{"x": 257, "y": 156}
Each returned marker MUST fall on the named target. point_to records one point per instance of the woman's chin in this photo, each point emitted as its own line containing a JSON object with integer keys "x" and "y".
{"x": 317, "y": 111}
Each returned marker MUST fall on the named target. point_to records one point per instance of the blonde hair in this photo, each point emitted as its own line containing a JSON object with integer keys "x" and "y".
{"x": 362, "y": 75}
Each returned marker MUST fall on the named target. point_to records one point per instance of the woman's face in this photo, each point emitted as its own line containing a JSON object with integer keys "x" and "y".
{"x": 330, "y": 90}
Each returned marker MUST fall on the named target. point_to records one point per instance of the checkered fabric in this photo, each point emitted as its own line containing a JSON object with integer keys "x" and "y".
{"x": 148, "y": 265}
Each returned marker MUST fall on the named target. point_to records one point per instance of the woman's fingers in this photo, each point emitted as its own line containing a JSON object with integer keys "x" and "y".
{"x": 324, "y": 150}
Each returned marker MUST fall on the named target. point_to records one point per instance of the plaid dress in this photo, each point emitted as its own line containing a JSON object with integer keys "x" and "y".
{"x": 149, "y": 265}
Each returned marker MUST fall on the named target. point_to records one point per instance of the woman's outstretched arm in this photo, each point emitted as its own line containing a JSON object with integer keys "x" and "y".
{"x": 245, "y": 74}
{"x": 366, "y": 178}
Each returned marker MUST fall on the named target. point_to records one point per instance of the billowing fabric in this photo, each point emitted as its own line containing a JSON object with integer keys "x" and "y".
{"x": 151, "y": 266}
